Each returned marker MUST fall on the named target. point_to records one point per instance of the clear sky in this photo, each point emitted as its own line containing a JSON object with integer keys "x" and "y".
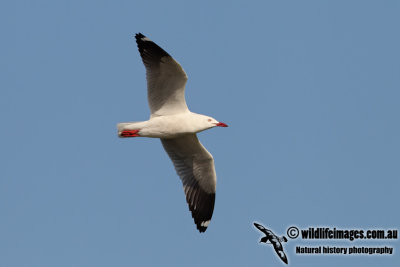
{"x": 310, "y": 90}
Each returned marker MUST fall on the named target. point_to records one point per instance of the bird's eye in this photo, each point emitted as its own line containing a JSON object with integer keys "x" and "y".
{"x": 209, "y": 119}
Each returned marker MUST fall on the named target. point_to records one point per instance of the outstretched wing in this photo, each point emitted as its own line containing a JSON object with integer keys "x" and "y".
{"x": 195, "y": 166}
{"x": 261, "y": 228}
{"x": 279, "y": 251}
{"x": 165, "y": 79}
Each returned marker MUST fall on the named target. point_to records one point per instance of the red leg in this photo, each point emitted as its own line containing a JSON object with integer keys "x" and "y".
{"x": 130, "y": 133}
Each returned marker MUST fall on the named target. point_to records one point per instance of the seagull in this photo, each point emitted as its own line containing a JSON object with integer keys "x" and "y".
{"x": 274, "y": 240}
{"x": 176, "y": 126}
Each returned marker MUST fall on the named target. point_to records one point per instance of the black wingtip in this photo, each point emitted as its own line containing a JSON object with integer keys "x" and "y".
{"x": 201, "y": 205}
{"x": 202, "y": 226}
{"x": 201, "y": 229}
{"x": 139, "y": 36}
{"x": 149, "y": 51}
{"x": 203, "y": 213}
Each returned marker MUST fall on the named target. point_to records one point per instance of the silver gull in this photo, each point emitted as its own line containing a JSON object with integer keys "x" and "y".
{"x": 176, "y": 126}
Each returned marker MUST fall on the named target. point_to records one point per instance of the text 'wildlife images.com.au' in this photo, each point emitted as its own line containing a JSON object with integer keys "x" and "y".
{"x": 312, "y": 236}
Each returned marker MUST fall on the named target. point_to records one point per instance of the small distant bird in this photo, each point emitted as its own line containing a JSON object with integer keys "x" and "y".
{"x": 176, "y": 126}
{"x": 274, "y": 240}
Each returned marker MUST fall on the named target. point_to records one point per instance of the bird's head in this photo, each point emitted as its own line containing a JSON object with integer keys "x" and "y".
{"x": 206, "y": 122}
{"x": 202, "y": 122}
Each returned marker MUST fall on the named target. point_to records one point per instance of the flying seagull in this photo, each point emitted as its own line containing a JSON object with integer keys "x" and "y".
{"x": 274, "y": 240}
{"x": 176, "y": 126}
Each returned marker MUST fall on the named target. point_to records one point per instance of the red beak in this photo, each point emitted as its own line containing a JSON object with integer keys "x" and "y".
{"x": 221, "y": 124}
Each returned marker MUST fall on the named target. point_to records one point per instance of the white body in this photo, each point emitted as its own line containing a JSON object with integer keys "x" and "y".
{"x": 170, "y": 126}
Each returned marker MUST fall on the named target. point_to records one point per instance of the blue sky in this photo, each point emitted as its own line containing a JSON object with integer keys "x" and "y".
{"x": 310, "y": 90}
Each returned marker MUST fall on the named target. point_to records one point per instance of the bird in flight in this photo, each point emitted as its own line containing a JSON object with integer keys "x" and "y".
{"x": 176, "y": 126}
{"x": 274, "y": 240}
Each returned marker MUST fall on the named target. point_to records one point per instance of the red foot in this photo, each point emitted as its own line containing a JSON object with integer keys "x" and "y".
{"x": 130, "y": 133}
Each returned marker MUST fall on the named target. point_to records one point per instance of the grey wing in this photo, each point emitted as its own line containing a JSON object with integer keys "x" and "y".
{"x": 195, "y": 166}
{"x": 166, "y": 79}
